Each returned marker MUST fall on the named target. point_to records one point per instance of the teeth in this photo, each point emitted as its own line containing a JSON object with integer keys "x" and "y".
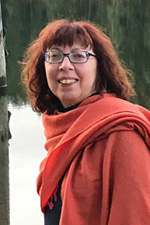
{"x": 67, "y": 81}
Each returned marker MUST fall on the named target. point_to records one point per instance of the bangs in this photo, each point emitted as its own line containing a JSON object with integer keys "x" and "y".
{"x": 68, "y": 34}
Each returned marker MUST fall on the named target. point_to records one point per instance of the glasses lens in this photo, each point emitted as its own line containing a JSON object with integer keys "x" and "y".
{"x": 53, "y": 56}
{"x": 78, "y": 57}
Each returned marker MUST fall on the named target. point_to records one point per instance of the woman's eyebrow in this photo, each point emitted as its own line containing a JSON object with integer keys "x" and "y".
{"x": 55, "y": 48}
{"x": 72, "y": 50}
{"x": 76, "y": 49}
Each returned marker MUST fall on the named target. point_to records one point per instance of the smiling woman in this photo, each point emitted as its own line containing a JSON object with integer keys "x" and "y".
{"x": 98, "y": 142}
{"x": 111, "y": 74}
{"x": 72, "y": 82}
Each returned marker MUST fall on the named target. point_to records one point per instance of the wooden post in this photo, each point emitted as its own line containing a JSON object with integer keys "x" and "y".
{"x": 4, "y": 156}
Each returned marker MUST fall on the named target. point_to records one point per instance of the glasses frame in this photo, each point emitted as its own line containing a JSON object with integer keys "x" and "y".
{"x": 88, "y": 54}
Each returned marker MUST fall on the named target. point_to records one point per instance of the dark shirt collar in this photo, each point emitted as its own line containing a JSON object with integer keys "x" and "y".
{"x": 61, "y": 108}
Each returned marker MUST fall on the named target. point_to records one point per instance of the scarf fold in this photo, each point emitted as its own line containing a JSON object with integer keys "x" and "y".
{"x": 68, "y": 134}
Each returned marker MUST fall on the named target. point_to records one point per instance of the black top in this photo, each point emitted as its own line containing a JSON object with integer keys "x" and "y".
{"x": 52, "y": 216}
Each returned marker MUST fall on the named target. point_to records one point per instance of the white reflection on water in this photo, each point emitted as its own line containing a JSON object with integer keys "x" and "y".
{"x": 26, "y": 151}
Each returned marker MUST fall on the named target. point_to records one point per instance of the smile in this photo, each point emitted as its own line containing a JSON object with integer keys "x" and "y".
{"x": 67, "y": 81}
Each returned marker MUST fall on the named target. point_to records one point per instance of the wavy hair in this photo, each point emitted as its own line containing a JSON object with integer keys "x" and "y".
{"x": 111, "y": 73}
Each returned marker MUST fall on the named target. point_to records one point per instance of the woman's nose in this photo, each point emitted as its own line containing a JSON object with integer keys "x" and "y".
{"x": 66, "y": 64}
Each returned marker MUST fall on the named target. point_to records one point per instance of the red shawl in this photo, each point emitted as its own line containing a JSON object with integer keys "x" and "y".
{"x": 102, "y": 147}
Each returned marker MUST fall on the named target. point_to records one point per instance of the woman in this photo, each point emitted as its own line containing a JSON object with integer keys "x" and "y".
{"x": 97, "y": 167}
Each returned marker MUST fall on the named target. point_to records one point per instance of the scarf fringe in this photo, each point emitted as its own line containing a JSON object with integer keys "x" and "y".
{"x": 52, "y": 199}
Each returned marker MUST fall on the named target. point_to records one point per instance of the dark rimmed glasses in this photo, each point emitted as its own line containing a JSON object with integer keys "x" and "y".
{"x": 76, "y": 57}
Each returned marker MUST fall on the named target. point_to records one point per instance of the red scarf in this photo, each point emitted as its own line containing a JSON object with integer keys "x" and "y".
{"x": 68, "y": 134}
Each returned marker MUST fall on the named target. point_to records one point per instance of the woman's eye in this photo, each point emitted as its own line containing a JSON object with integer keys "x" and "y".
{"x": 78, "y": 55}
{"x": 55, "y": 55}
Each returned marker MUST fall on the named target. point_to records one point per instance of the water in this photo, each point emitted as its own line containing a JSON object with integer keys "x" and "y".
{"x": 26, "y": 151}
{"x": 126, "y": 22}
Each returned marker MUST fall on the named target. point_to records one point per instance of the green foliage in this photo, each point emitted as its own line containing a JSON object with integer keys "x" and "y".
{"x": 126, "y": 22}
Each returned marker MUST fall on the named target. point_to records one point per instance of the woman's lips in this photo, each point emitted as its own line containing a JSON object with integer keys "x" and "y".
{"x": 67, "y": 81}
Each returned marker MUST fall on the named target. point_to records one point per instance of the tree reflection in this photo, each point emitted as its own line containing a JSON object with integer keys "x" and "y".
{"x": 126, "y": 22}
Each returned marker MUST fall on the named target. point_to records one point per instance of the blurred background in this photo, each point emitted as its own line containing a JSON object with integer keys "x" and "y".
{"x": 128, "y": 25}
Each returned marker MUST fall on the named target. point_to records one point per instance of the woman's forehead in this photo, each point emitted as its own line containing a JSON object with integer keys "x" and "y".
{"x": 71, "y": 41}
{"x": 67, "y": 49}
{"x": 75, "y": 45}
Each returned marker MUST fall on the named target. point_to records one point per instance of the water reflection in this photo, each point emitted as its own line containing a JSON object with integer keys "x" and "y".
{"x": 26, "y": 151}
{"x": 126, "y": 22}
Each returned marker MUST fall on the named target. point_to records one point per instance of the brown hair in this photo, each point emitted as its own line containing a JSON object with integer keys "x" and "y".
{"x": 111, "y": 74}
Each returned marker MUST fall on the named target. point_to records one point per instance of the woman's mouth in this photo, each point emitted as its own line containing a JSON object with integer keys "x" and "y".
{"x": 67, "y": 81}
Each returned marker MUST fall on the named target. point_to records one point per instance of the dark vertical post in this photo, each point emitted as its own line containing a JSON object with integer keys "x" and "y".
{"x": 4, "y": 156}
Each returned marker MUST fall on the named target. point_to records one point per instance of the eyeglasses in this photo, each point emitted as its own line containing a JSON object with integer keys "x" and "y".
{"x": 77, "y": 57}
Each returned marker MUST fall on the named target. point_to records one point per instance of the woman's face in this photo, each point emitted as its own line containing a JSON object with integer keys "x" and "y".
{"x": 71, "y": 83}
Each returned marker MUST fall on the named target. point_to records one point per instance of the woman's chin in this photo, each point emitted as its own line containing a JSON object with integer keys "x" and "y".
{"x": 68, "y": 102}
